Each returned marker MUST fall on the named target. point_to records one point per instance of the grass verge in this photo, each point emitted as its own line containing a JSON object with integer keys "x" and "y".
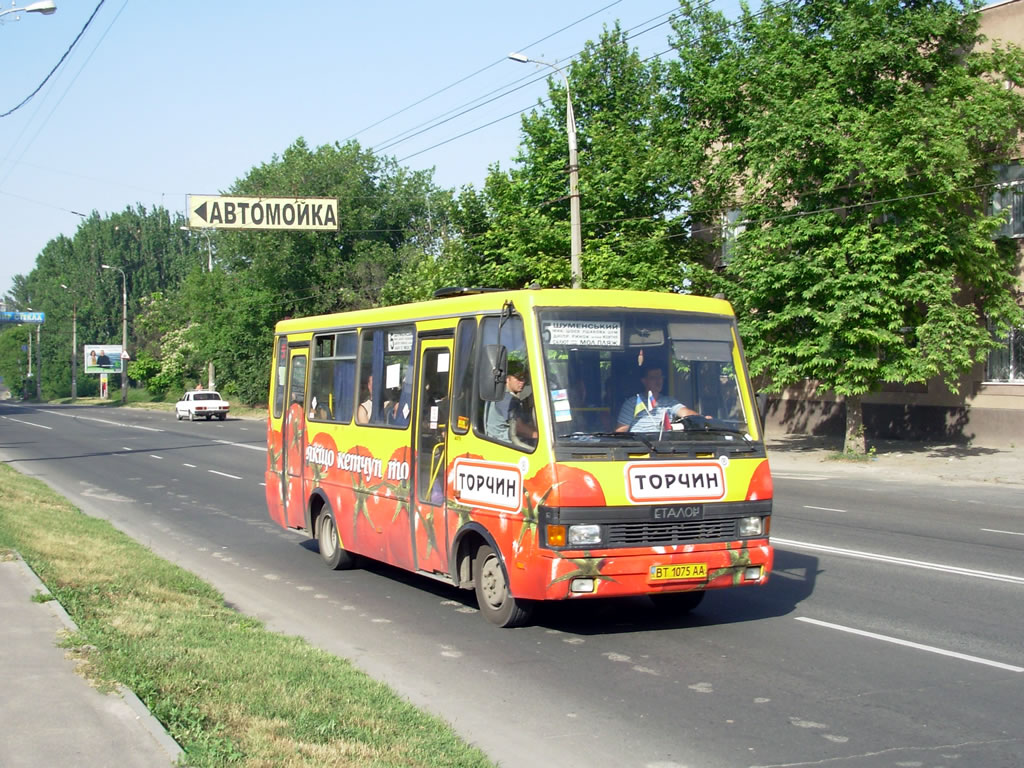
{"x": 229, "y": 691}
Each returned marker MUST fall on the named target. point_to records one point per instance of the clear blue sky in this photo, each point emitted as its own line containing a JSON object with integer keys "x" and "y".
{"x": 159, "y": 100}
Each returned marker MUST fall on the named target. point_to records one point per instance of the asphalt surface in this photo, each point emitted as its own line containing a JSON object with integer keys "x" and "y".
{"x": 52, "y": 715}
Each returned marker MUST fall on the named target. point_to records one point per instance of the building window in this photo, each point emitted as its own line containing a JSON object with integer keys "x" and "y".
{"x": 1008, "y": 199}
{"x": 1006, "y": 362}
{"x": 733, "y": 226}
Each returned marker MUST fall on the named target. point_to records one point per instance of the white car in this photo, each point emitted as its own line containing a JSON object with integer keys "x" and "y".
{"x": 200, "y": 403}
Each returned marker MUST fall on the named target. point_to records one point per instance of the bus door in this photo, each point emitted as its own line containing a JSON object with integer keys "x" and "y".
{"x": 293, "y": 436}
{"x": 431, "y": 454}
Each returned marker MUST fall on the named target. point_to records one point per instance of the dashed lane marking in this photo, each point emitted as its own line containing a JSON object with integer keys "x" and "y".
{"x": 909, "y": 644}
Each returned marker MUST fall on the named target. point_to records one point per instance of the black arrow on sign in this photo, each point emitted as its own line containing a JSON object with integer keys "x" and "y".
{"x": 201, "y": 211}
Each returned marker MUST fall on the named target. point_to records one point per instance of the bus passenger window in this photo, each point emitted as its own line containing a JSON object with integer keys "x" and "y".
{"x": 385, "y": 394}
{"x": 510, "y": 420}
{"x": 462, "y": 392}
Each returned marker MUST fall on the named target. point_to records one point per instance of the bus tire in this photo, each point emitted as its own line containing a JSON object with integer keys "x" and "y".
{"x": 496, "y": 603}
{"x": 678, "y": 602}
{"x": 331, "y": 552}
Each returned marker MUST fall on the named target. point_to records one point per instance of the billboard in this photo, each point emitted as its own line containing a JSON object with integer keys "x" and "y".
{"x": 103, "y": 358}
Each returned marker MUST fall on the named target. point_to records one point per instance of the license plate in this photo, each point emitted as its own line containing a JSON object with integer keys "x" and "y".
{"x": 680, "y": 572}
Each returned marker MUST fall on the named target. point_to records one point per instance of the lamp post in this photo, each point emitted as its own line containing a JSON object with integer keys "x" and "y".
{"x": 45, "y": 7}
{"x": 124, "y": 332}
{"x": 574, "y": 168}
{"x": 209, "y": 269}
{"x": 74, "y": 342}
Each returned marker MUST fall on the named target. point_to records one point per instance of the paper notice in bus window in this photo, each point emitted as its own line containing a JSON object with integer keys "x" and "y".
{"x": 442, "y": 362}
{"x": 400, "y": 341}
{"x": 583, "y": 334}
{"x": 560, "y": 404}
{"x": 392, "y": 376}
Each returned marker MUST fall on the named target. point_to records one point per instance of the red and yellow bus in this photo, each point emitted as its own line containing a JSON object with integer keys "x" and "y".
{"x": 531, "y": 445}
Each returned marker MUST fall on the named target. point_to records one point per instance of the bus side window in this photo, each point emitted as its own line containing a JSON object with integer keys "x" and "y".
{"x": 462, "y": 384}
{"x": 385, "y": 376}
{"x": 298, "y": 382}
{"x": 512, "y": 419}
{"x": 280, "y": 376}
{"x": 333, "y": 377}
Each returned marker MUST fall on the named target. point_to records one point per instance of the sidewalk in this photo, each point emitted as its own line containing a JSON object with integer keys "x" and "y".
{"x": 50, "y": 714}
{"x": 922, "y": 462}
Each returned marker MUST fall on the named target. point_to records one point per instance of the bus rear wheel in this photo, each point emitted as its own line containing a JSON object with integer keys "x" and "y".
{"x": 678, "y": 602}
{"x": 334, "y": 556}
{"x": 496, "y": 603}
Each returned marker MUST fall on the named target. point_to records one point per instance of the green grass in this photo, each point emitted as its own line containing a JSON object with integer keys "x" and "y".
{"x": 229, "y": 691}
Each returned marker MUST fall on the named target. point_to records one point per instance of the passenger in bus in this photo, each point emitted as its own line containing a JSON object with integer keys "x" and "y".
{"x": 365, "y": 408}
{"x": 510, "y": 420}
{"x": 645, "y": 411}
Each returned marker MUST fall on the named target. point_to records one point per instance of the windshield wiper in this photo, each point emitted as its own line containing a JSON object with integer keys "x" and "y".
{"x": 638, "y": 436}
{"x": 716, "y": 426}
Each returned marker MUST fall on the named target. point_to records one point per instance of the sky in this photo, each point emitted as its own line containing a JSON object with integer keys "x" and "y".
{"x": 160, "y": 100}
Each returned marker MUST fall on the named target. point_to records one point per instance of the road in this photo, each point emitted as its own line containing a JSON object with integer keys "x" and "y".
{"x": 889, "y": 634}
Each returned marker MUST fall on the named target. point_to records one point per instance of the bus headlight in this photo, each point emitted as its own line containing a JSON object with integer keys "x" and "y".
{"x": 751, "y": 526}
{"x": 584, "y": 535}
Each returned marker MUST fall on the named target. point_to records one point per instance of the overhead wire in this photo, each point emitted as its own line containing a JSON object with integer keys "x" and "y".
{"x": 507, "y": 89}
{"x": 480, "y": 71}
{"x": 46, "y": 79}
{"x": 37, "y": 132}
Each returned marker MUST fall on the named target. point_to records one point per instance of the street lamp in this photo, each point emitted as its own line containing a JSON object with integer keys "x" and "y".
{"x": 74, "y": 342}
{"x": 209, "y": 268}
{"x": 574, "y": 169}
{"x": 209, "y": 246}
{"x": 45, "y": 7}
{"x": 124, "y": 332}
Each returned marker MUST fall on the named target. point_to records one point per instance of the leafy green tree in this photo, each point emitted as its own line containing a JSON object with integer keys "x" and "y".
{"x": 858, "y": 138}
{"x": 69, "y": 284}
{"x": 631, "y": 195}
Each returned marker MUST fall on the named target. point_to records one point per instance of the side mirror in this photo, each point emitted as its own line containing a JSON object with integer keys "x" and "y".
{"x": 762, "y": 404}
{"x": 491, "y": 378}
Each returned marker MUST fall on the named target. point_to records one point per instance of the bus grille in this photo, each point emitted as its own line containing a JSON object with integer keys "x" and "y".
{"x": 667, "y": 533}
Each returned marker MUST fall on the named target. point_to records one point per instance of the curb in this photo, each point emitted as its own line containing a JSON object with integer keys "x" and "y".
{"x": 134, "y": 703}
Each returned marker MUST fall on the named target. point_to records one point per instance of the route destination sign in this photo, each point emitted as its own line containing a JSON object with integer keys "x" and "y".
{"x": 296, "y": 213}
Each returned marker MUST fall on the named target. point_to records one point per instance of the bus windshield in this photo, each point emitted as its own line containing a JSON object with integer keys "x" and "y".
{"x": 647, "y": 375}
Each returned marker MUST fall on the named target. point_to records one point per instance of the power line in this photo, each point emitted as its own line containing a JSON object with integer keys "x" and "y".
{"x": 479, "y": 71}
{"x": 55, "y": 66}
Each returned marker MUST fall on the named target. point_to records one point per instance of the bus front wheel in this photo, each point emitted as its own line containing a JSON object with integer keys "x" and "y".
{"x": 334, "y": 556}
{"x": 496, "y": 603}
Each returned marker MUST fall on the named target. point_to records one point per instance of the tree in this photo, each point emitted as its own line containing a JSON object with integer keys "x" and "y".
{"x": 858, "y": 138}
{"x": 631, "y": 195}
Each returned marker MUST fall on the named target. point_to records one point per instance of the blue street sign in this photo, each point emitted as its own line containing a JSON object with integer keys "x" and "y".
{"x": 22, "y": 317}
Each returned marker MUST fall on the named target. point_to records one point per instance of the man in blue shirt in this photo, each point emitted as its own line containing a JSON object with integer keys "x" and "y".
{"x": 645, "y": 411}
{"x": 510, "y": 419}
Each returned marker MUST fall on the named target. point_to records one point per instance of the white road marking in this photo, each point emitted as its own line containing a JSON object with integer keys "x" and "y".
{"x": 240, "y": 445}
{"x": 823, "y": 509}
{"x": 29, "y": 423}
{"x": 154, "y": 456}
{"x": 193, "y": 466}
{"x": 1008, "y": 533}
{"x": 223, "y": 474}
{"x": 104, "y": 421}
{"x": 909, "y": 644}
{"x": 902, "y": 561}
